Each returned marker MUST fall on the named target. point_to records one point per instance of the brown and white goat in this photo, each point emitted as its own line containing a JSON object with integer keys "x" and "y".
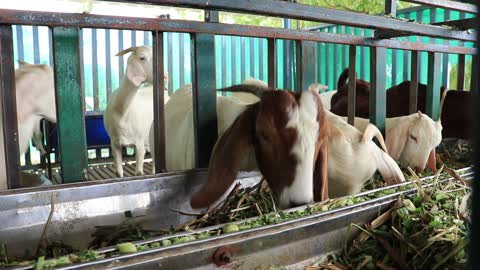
{"x": 288, "y": 132}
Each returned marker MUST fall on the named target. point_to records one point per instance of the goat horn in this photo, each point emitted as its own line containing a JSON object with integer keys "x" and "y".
{"x": 123, "y": 52}
{"x": 444, "y": 95}
{"x": 247, "y": 88}
{"x": 372, "y": 131}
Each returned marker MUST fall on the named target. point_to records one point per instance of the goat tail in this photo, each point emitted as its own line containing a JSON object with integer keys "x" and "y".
{"x": 388, "y": 168}
{"x": 372, "y": 131}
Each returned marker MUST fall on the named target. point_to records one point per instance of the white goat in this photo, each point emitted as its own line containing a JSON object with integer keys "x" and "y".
{"x": 410, "y": 139}
{"x": 129, "y": 112}
{"x": 326, "y": 99}
{"x": 353, "y": 158}
{"x": 179, "y": 137}
{"x": 35, "y": 95}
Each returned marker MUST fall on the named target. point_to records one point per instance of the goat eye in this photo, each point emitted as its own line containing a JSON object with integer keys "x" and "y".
{"x": 413, "y": 138}
{"x": 142, "y": 58}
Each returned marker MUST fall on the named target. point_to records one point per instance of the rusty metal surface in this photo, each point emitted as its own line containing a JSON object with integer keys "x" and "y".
{"x": 319, "y": 14}
{"x": 98, "y": 21}
{"x": 9, "y": 109}
{"x": 463, "y": 24}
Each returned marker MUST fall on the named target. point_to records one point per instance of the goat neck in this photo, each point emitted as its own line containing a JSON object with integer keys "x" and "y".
{"x": 125, "y": 95}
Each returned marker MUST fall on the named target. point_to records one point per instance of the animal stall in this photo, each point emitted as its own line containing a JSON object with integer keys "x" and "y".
{"x": 243, "y": 222}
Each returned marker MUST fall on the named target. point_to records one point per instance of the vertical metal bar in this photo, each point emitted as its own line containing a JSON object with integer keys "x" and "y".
{"x": 82, "y": 65}
{"x": 95, "y": 71}
{"x": 394, "y": 67}
{"x": 391, "y": 7}
{"x": 345, "y": 51}
{"x": 305, "y": 61}
{"x": 36, "y": 46}
{"x": 336, "y": 63}
{"x": 327, "y": 65}
{"x": 204, "y": 99}
{"x": 145, "y": 38}
{"x": 260, "y": 57}
{"x": 474, "y": 80}
{"x": 10, "y": 170}
{"x": 419, "y": 39}
{"x": 170, "y": 62}
{"x": 475, "y": 232}
{"x": 133, "y": 37}
{"x": 158, "y": 101}
{"x": 70, "y": 115}
{"x": 252, "y": 57}
{"x": 120, "y": 59}
{"x": 223, "y": 58}
{"x": 108, "y": 71}
{"x": 181, "y": 50}
{"x": 352, "y": 87}
{"x": 433, "y": 86}
{"x": 21, "y": 54}
{"x": 272, "y": 63}
{"x": 363, "y": 55}
{"x": 50, "y": 48}
{"x": 234, "y": 59}
{"x": 412, "y": 108}
{"x": 461, "y": 72}
{"x": 446, "y": 56}
{"x": 378, "y": 93}
{"x": 406, "y": 61}
{"x": 243, "y": 60}
{"x": 287, "y": 56}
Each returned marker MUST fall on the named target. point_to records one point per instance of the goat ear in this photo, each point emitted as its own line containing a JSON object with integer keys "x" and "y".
{"x": 387, "y": 167}
{"x": 226, "y": 158}
{"x": 397, "y": 138}
{"x": 127, "y": 50}
{"x": 320, "y": 173}
{"x": 432, "y": 161}
{"x": 135, "y": 73}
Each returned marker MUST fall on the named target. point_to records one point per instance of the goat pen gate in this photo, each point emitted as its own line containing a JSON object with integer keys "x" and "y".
{"x": 65, "y": 29}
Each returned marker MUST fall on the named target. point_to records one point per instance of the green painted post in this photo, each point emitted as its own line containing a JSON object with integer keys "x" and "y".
{"x": 378, "y": 94}
{"x": 204, "y": 96}
{"x": 305, "y": 64}
{"x": 70, "y": 115}
{"x": 433, "y": 86}
{"x": 474, "y": 81}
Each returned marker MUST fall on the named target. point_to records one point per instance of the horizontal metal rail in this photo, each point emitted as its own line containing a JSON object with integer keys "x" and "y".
{"x": 453, "y": 5}
{"x": 53, "y": 19}
{"x": 318, "y": 14}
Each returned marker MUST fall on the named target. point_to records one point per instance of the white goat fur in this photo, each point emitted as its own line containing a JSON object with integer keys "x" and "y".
{"x": 409, "y": 139}
{"x": 353, "y": 158}
{"x": 129, "y": 112}
{"x": 326, "y": 98}
{"x": 35, "y": 95}
{"x": 179, "y": 137}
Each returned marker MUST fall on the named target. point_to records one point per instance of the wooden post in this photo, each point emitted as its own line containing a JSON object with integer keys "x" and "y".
{"x": 272, "y": 63}
{"x": 70, "y": 112}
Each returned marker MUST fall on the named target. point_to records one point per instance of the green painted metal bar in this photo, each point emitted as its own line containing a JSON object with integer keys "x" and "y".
{"x": 70, "y": 113}
{"x": 272, "y": 63}
{"x": 433, "y": 86}
{"x": 378, "y": 91}
{"x": 204, "y": 98}
{"x": 305, "y": 64}
{"x": 10, "y": 170}
{"x": 158, "y": 108}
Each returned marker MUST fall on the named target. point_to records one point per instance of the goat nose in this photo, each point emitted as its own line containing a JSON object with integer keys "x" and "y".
{"x": 418, "y": 170}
